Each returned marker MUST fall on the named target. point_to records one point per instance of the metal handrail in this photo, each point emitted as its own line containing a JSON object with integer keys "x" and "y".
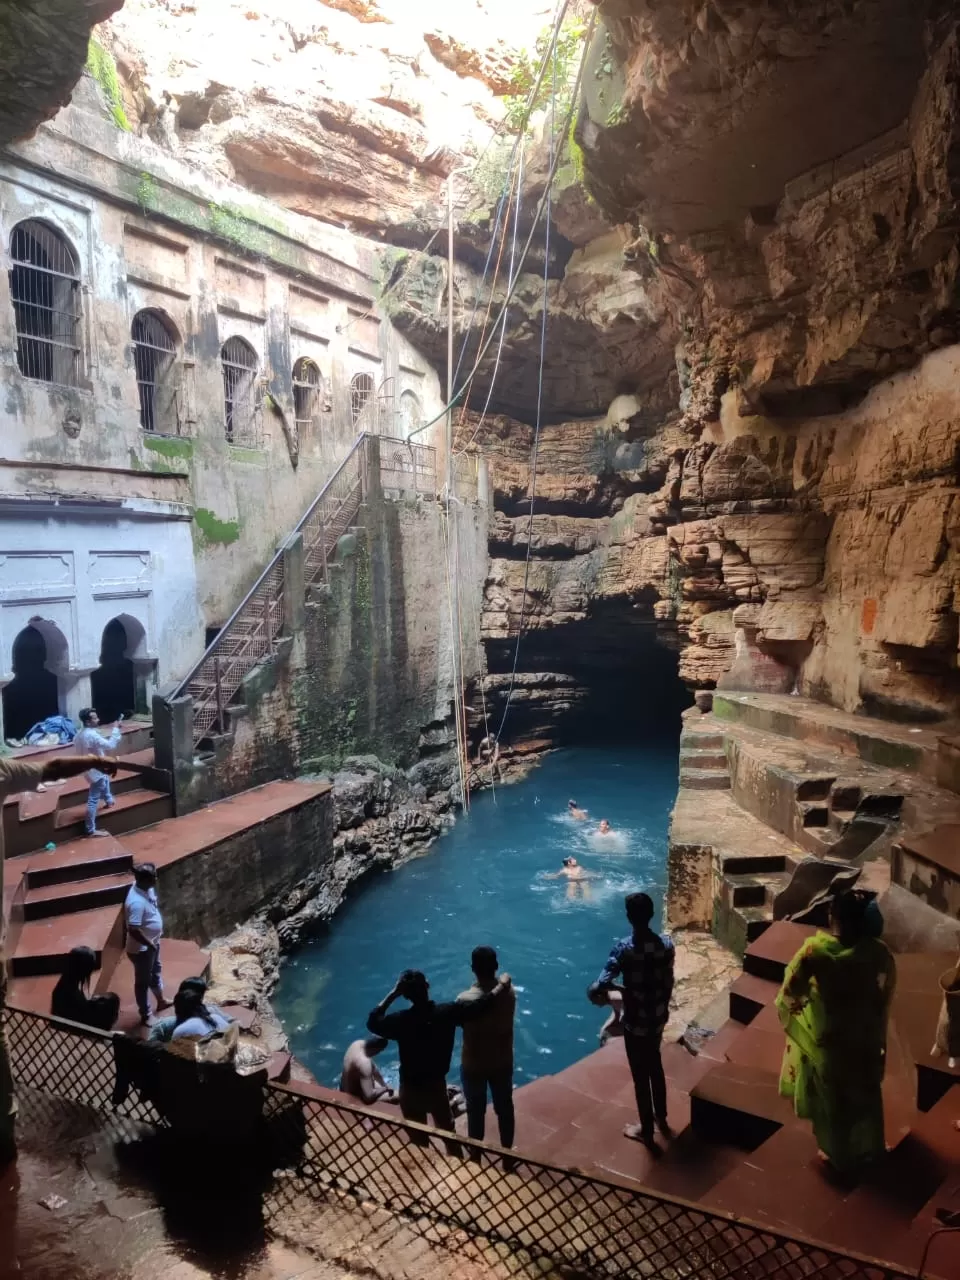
{"x": 210, "y": 651}
{"x": 595, "y": 1224}
{"x": 250, "y": 633}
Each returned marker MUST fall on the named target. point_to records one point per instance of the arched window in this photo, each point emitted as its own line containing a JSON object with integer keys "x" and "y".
{"x": 307, "y": 397}
{"x": 45, "y": 288}
{"x": 154, "y": 358}
{"x": 240, "y": 416}
{"x": 411, "y": 413}
{"x": 362, "y": 401}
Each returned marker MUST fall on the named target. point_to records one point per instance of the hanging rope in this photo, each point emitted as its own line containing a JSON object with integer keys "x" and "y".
{"x": 528, "y": 111}
{"x": 558, "y": 153}
{"x": 536, "y": 430}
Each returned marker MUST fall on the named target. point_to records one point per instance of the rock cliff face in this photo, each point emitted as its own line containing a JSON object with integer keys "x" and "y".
{"x": 747, "y": 469}
{"x": 43, "y": 46}
{"x": 350, "y": 111}
{"x": 784, "y": 180}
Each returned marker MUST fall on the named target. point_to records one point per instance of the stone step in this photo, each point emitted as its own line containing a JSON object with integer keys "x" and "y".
{"x": 701, "y": 741}
{"x": 703, "y": 759}
{"x": 705, "y": 779}
{"x": 748, "y": 890}
{"x": 759, "y": 865}
{"x": 43, "y": 945}
{"x": 133, "y": 810}
{"x": 880, "y": 742}
{"x": 768, "y": 955}
{"x": 749, "y": 996}
{"x": 738, "y": 1105}
{"x": 738, "y": 927}
{"x": 813, "y": 813}
{"x": 77, "y": 895}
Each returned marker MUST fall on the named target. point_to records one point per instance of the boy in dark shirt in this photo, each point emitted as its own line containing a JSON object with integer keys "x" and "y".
{"x": 424, "y": 1034}
{"x": 643, "y": 964}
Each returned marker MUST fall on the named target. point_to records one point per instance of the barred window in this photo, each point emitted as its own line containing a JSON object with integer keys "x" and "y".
{"x": 362, "y": 389}
{"x": 154, "y": 358}
{"x": 45, "y": 288}
{"x": 307, "y": 397}
{"x": 240, "y": 408}
{"x": 411, "y": 413}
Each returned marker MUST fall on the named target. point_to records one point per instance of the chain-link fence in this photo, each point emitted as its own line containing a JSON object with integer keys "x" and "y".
{"x": 546, "y": 1220}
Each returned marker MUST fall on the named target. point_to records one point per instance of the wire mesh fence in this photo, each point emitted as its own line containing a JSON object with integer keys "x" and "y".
{"x": 540, "y": 1219}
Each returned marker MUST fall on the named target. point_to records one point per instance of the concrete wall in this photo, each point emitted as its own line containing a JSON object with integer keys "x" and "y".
{"x": 366, "y": 667}
{"x": 210, "y": 893}
{"x": 215, "y": 262}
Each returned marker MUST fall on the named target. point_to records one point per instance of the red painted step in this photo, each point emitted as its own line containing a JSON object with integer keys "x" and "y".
{"x": 76, "y": 895}
{"x": 44, "y": 944}
{"x": 133, "y": 810}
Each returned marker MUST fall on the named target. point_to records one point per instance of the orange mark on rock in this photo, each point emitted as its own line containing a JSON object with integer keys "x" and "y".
{"x": 868, "y": 616}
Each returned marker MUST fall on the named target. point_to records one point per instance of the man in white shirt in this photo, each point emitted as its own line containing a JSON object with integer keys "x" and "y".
{"x": 90, "y": 743}
{"x": 144, "y": 931}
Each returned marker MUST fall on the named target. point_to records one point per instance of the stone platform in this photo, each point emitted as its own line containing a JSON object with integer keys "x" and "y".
{"x": 794, "y": 781}
{"x": 737, "y": 1145}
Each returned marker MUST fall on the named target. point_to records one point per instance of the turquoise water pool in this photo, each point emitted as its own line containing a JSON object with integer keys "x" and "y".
{"x": 484, "y": 882}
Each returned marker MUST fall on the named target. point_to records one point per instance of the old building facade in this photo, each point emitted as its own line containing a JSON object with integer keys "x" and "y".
{"x": 182, "y": 366}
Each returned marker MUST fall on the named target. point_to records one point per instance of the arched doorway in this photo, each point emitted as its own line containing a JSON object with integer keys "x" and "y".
{"x": 33, "y": 693}
{"x": 113, "y": 686}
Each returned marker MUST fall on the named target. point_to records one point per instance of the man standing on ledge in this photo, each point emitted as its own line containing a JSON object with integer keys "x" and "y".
{"x": 24, "y": 775}
{"x": 487, "y": 1061}
{"x": 144, "y": 931}
{"x": 644, "y": 962}
{"x": 90, "y": 743}
{"x": 424, "y": 1034}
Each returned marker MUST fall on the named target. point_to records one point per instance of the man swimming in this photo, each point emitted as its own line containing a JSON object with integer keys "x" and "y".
{"x": 571, "y": 870}
{"x": 574, "y": 810}
{"x": 604, "y": 829}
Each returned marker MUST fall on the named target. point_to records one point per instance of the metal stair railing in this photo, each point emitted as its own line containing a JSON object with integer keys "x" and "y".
{"x": 251, "y": 633}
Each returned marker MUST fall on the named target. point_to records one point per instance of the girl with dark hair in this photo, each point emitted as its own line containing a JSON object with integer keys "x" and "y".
{"x": 71, "y": 996}
{"x": 833, "y": 1005}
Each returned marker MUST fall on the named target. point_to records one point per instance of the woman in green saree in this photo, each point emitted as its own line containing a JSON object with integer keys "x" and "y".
{"x": 833, "y": 1006}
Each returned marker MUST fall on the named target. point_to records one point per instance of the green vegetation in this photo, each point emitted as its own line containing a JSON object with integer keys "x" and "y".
{"x": 524, "y": 74}
{"x": 212, "y": 531}
{"x": 169, "y": 446}
{"x": 101, "y": 66}
{"x": 148, "y": 194}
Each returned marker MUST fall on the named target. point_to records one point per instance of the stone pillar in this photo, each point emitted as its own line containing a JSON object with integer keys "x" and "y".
{"x": 483, "y": 482}
{"x": 372, "y": 488}
{"x": 294, "y": 586}
{"x": 75, "y": 693}
{"x": 173, "y": 743}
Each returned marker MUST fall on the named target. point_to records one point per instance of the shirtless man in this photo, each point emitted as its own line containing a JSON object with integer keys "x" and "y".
{"x": 571, "y": 870}
{"x": 604, "y": 829}
{"x": 578, "y": 814}
{"x": 361, "y": 1076}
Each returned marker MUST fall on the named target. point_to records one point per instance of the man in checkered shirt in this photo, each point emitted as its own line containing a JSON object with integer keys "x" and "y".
{"x": 644, "y": 965}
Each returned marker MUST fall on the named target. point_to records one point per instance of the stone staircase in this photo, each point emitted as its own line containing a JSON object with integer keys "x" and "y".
{"x": 767, "y": 781}
{"x": 738, "y": 1146}
{"x": 71, "y": 894}
{"x": 703, "y": 760}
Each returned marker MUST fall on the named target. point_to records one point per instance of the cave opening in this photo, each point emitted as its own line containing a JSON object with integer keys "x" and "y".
{"x": 609, "y": 678}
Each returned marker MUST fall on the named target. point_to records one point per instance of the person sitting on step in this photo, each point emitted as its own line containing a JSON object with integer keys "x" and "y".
{"x": 71, "y": 996}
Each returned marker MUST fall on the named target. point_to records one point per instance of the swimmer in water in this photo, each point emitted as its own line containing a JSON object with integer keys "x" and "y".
{"x": 571, "y": 870}
{"x": 604, "y": 829}
{"x": 574, "y": 810}
{"x": 577, "y": 878}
